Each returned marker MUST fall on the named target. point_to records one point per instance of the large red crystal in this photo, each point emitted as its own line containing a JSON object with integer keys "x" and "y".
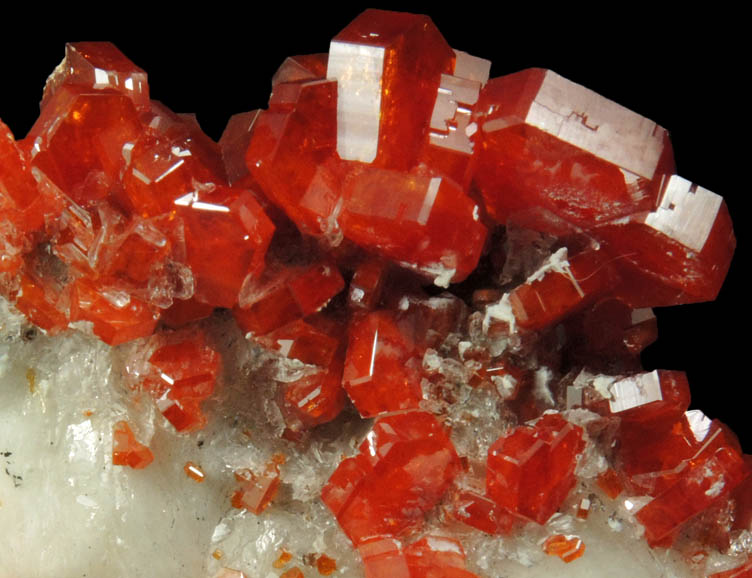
{"x": 548, "y": 142}
{"x": 388, "y": 66}
{"x": 377, "y": 377}
{"x": 79, "y": 138}
{"x": 702, "y": 484}
{"x": 420, "y": 219}
{"x": 405, "y": 465}
{"x": 531, "y": 470}
{"x": 226, "y": 237}
{"x": 289, "y": 144}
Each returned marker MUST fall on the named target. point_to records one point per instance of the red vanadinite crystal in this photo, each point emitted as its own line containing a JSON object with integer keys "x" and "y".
{"x": 99, "y": 65}
{"x": 608, "y": 481}
{"x": 289, "y": 140}
{"x": 568, "y": 548}
{"x": 743, "y": 571}
{"x": 79, "y": 138}
{"x": 126, "y": 451}
{"x": 405, "y": 465}
{"x": 226, "y": 237}
{"x": 432, "y": 556}
{"x": 697, "y": 488}
{"x": 257, "y": 491}
{"x": 692, "y": 227}
{"x": 531, "y": 470}
{"x": 184, "y": 373}
{"x": 194, "y": 472}
{"x": 481, "y": 512}
{"x": 561, "y": 287}
{"x": 116, "y": 316}
{"x": 283, "y": 560}
{"x": 376, "y": 376}
{"x": 405, "y": 55}
{"x": 548, "y": 142}
{"x": 417, "y": 218}
{"x": 326, "y": 565}
{"x": 283, "y": 294}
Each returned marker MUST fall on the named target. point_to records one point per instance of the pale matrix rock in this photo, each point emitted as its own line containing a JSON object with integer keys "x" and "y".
{"x": 67, "y": 512}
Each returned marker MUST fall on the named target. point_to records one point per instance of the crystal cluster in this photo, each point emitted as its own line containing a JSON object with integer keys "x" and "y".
{"x": 404, "y": 306}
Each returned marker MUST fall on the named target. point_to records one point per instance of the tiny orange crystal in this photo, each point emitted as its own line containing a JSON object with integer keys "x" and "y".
{"x": 568, "y": 548}
{"x": 126, "y": 451}
{"x": 325, "y": 565}
{"x": 283, "y": 560}
{"x": 194, "y": 472}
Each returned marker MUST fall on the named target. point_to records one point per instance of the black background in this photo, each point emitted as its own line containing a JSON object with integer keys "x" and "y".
{"x": 684, "y": 70}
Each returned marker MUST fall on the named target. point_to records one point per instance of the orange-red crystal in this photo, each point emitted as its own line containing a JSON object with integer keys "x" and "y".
{"x": 405, "y": 465}
{"x": 568, "y": 548}
{"x": 126, "y": 450}
{"x": 516, "y": 460}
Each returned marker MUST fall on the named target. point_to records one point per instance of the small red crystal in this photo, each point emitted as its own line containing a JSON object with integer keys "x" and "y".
{"x": 257, "y": 491}
{"x": 326, "y": 565}
{"x": 126, "y": 451}
{"x": 194, "y": 472}
{"x": 568, "y": 548}
{"x": 184, "y": 373}
{"x": 116, "y": 316}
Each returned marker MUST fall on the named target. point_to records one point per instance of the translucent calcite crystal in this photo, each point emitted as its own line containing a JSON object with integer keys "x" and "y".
{"x": 388, "y": 326}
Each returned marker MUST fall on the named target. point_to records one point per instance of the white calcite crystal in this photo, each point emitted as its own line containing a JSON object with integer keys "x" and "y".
{"x": 68, "y": 511}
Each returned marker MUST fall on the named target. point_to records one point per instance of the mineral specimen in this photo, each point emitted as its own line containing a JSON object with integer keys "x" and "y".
{"x": 390, "y": 325}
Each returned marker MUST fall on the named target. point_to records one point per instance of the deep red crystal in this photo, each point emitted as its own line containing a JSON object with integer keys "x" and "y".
{"x": 531, "y": 470}
{"x": 405, "y": 465}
